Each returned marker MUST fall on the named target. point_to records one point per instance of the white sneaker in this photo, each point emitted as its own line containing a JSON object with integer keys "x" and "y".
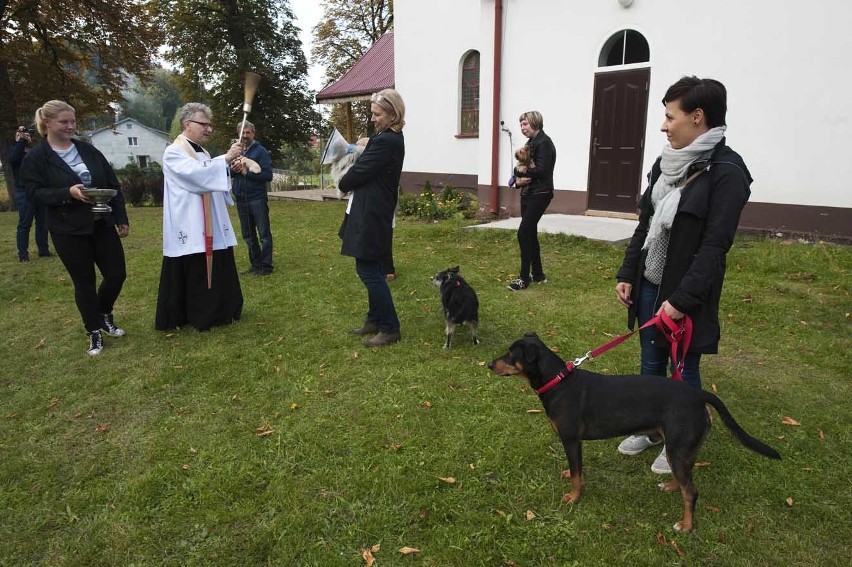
{"x": 635, "y": 444}
{"x": 661, "y": 464}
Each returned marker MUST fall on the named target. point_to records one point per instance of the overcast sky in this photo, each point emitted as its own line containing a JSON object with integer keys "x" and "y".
{"x": 308, "y": 13}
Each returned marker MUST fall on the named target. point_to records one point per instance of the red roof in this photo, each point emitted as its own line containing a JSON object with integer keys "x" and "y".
{"x": 372, "y": 73}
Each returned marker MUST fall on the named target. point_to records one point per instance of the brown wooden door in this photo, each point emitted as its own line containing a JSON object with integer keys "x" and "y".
{"x": 618, "y": 138}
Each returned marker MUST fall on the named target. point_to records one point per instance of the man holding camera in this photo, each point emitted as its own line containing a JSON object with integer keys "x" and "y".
{"x": 28, "y": 209}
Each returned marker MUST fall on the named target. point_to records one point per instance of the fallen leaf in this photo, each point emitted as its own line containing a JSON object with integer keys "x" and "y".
{"x": 534, "y": 410}
{"x": 713, "y": 387}
{"x": 789, "y": 421}
{"x": 789, "y": 502}
{"x": 53, "y": 403}
{"x": 367, "y": 555}
{"x": 606, "y": 527}
{"x": 264, "y": 430}
{"x": 712, "y": 508}
{"x": 530, "y": 515}
{"x": 423, "y": 514}
{"x": 676, "y": 548}
{"x": 750, "y": 528}
{"x": 501, "y": 513}
{"x": 40, "y": 344}
{"x": 482, "y": 363}
{"x": 447, "y": 479}
{"x": 408, "y": 550}
{"x": 185, "y": 467}
{"x": 821, "y": 434}
{"x": 566, "y": 473}
{"x": 102, "y": 428}
{"x": 661, "y": 539}
{"x": 294, "y": 406}
{"x": 472, "y": 466}
{"x": 702, "y": 464}
{"x": 426, "y": 404}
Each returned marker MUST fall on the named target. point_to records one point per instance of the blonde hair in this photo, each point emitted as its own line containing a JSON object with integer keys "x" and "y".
{"x": 391, "y": 101}
{"x": 534, "y": 118}
{"x": 50, "y": 109}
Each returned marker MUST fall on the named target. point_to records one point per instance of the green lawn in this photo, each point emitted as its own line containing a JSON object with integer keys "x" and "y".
{"x": 280, "y": 440}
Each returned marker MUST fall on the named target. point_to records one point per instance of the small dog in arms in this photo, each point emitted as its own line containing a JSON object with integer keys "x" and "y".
{"x": 341, "y": 155}
{"x": 458, "y": 303}
{"x": 525, "y": 163}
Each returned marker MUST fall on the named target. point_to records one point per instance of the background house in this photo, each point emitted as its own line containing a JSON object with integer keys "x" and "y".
{"x": 128, "y": 141}
{"x": 597, "y": 70}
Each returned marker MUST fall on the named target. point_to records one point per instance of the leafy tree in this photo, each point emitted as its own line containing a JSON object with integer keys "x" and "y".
{"x": 80, "y": 52}
{"x": 348, "y": 29}
{"x": 215, "y": 41}
{"x": 153, "y": 102}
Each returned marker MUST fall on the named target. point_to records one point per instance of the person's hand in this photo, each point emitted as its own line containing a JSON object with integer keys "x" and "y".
{"x": 521, "y": 181}
{"x": 238, "y": 166}
{"x": 362, "y": 141}
{"x": 19, "y": 135}
{"x": 76, "y": 192}
{"x": 123, "y": 230}
{"x": 670, "y": 310}
{"x": 235, "y": 151}
{"x": 622, "y": 291}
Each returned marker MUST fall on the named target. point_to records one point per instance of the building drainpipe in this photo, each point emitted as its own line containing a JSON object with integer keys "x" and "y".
{"x": 495, "y": 103}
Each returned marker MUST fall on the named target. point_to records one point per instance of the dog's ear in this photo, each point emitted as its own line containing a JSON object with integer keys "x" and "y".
{"x": 531, "y": 334}
{"x": 530, "y": 354}
{"x": 454, "y": 270}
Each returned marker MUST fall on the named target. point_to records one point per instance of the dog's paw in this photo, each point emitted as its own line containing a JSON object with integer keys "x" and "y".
{"x": 681, "y": 527}
{"x": 571, "y": 498}
{"x": 669, "y": 485}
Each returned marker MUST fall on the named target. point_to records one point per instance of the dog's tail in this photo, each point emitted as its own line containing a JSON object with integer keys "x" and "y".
{"x": 740, "y": 433}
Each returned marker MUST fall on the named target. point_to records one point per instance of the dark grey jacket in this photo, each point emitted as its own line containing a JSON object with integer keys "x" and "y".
{"x": 368, "y": 229}
{"x": 702, "y": 232}
{"x": 48, "y": 179}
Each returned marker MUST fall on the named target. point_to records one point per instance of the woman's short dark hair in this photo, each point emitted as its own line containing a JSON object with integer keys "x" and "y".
{"x": 707, "y": 94}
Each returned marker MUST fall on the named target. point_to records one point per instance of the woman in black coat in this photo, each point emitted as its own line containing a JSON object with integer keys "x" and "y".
{"x": 55, "y": 172}
{"x": 536, "y": 194}
{"x": 368, "y": 227}
{"x": 688, "y": 217}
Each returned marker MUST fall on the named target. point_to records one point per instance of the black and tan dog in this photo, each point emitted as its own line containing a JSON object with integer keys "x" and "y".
{"x": 583, "y": 405}
{"x": 458, "y": 302}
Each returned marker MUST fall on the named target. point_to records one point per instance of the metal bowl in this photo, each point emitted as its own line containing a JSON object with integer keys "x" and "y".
{"x": 100, "y": 196}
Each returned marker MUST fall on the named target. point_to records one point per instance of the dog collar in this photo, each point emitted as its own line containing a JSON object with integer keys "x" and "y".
{"x": 569, "y": 367}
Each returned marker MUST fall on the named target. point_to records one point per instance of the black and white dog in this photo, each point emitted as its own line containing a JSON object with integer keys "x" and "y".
{"x": 458, "y": 301}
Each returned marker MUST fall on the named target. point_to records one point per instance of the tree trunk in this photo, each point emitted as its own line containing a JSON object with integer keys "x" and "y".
{"x": 8, "y": 124}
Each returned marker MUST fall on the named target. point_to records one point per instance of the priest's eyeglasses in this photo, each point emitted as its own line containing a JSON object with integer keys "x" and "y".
{"x": 203, "y": 124}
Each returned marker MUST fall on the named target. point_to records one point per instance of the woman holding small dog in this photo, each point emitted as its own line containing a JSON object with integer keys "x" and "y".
{"x": 368, "y": 228}
{"x": 688, "y": 217}
{"x": 536, "y": 193}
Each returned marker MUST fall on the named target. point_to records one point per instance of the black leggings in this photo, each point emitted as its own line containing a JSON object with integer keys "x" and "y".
{"x": 80, "y": 254}
{"x": 532, "y": 209}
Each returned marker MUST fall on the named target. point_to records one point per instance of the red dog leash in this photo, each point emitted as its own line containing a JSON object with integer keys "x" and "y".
{"x": 677, "y": 333}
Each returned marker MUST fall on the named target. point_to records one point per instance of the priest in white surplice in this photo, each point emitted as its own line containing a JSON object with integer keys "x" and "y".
{"x": 199, "y": 284}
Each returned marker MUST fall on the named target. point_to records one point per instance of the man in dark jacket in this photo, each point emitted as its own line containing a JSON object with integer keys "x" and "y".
{"x": 28, "y": 210}
{"x": 250, "y": 177}
{"x": 688, "y": 218}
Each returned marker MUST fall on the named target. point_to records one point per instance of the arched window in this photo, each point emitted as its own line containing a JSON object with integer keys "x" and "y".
{"x": 623, "y": 48}
{"x": 469, "y": 123}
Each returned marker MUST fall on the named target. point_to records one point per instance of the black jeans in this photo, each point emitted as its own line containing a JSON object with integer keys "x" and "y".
{"x": 80, "y": 254}
{"x": 532, "y": 209}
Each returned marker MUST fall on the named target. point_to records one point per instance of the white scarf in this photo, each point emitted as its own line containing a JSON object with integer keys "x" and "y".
{"x": 665, "y": 196}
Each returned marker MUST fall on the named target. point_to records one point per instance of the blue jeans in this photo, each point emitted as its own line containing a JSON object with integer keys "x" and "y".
{"x": 655, "y": 357}
{"x": 27, "y": 211}
{"x": 381, "y": 310}
{"x": 254, "y": 225}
